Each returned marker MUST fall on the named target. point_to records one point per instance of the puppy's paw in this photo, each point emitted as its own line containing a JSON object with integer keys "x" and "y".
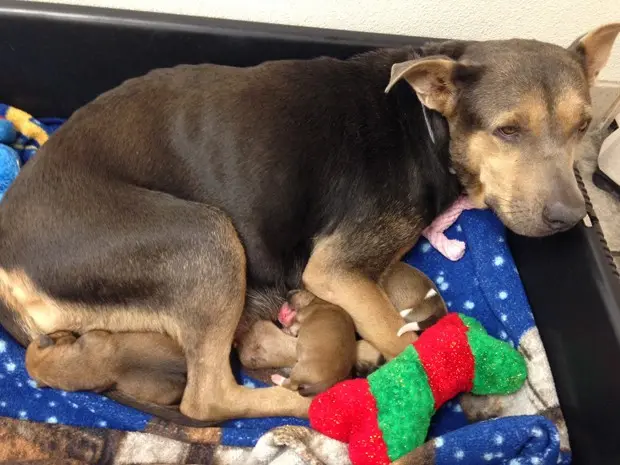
{"x": 454, "y": 250}
{"x": 278, "y": 380}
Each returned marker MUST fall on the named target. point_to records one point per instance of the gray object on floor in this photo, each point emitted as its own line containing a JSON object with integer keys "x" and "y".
{"x": 607, "y": 174}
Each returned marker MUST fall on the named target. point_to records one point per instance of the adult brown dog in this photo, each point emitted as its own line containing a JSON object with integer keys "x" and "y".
{"x": 161, "y": 204}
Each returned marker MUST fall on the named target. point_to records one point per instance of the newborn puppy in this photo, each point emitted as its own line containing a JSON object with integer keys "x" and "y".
{"x": 148, "y": 366}
{"x": 326, "y": 346}
{"x": 414, "y": 295}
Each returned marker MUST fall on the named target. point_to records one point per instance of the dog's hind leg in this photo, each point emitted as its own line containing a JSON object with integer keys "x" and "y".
{"x": 201, "y": 312}
{"x": 143, "y": 262}
{"x": 206, "y": 331}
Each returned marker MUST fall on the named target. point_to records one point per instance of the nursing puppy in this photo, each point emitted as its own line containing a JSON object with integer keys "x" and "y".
{"x": 326, "y": 346}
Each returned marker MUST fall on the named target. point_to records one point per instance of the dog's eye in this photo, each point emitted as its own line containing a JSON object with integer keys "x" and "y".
{"x": 584, "y": 126}
{"x": 507, "y": 132}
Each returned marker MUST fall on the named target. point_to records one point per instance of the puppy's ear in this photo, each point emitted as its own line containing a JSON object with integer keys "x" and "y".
{"x": 595, "y": 47}
{"x": 436, "y": 80}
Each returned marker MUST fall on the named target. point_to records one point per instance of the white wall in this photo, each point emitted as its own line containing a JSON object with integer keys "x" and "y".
{"x": 558, "y": 21}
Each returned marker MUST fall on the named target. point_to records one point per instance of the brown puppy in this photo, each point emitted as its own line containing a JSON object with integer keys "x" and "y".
{"x": 147, "y": 366}
{"x": 162, "y": 204}
{"x": 326, "y": 348}
{"x": 414, "y": 295}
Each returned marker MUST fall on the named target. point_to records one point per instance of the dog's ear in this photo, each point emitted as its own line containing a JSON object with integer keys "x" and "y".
{"x": 595, "y": 47}
{"x": 435, "y": 80}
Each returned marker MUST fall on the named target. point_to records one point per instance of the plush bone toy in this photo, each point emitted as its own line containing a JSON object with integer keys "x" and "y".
{"x": 388, "y": 414}
{"x": 449, "y": 248}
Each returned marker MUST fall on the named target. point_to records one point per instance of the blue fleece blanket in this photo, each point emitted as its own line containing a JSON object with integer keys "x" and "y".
{"x": 484, "y": 284}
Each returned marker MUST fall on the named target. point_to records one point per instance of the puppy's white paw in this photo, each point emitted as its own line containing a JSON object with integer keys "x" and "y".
{"x": 278, "y": 380}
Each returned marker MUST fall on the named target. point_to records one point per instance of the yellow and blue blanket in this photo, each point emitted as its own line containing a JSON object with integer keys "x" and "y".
{"x": 484, "y": 284}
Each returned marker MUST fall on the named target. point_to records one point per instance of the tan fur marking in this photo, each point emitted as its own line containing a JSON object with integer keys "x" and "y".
{"x": 571, "y": 110}
{"x": 497, "y": 168}
{"x": 38, "y": 313}
{"x": 41, "y": 314}
{"x": 531, "y": 114}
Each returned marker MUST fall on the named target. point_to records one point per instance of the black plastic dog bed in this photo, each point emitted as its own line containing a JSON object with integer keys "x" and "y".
{"x": 56, "y": 58}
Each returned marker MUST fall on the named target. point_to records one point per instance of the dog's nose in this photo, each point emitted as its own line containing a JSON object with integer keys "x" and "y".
{"x": 561, "y": 216}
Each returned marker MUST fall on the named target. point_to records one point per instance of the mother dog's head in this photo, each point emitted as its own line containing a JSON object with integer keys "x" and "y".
{"x": 517, "y": 110}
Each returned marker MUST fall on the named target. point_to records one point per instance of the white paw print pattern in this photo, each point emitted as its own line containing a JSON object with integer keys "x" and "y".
{"x": 498, "y": 260}
{"x": 537, "y": 432}
{"x": 441, "y": 283}
{"x": 502, "y": 295}
{"x": 469, "y": 305}
{"x": 439, "y": 442}
{"x": 2, "y": 346}
{"x": 425, "y": 247}
{"x": 459, "y": 454}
